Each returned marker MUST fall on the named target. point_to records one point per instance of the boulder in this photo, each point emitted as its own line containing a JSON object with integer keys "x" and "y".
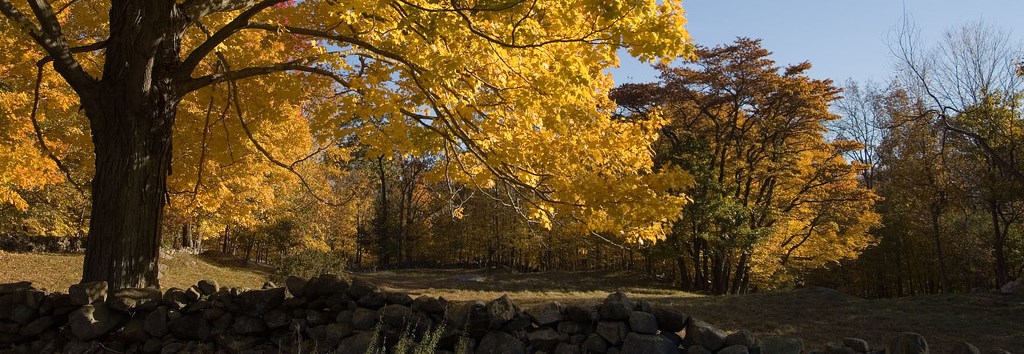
{"x": 88, "y": 293}
{"x": 496, "y": 342}
{"x": 734, "y": 349}
{"x": 581, "y": 314}
{"x": 838, "y": 348}
{"x": 545, "y": 339}
{"x": 616, "y": 307}
{"x": 670, "y": 320}
{"x": 276, "y": 319}
{"x": 907, "y": 343}
{"x": 37, "y": 326}
{"x": 965, "y": 348}
{"x": 612, "y": 331}
{"x": 364, "y": 319}
{"x": 374, "y": 299}
{"x": 135, "y": 299}
{"x": 238, "y": 344}
{"x": 23, "y": 314}
{"x": 207, "y": 287}
{"x": 700, "y": 332}
{"x": 570, "y": 327}
{"x": 546, "y": 315}
{"x": 316, "y": 318}
{"x": 396, "y": 316}
{"x": 191, "y": 326}
{"x": 356, "y": 344}
{"x": 397, "y": 298}
{"x": 780, "y": 345}
{"x": 697, "y": 349}
{"x": 11, "y": 288}
{"x": 742, "y": 337}
{"x": 471, "y": 315}
{"x": 249, "y": 325}
{"x": 1013, "y": 287}
{"x": 857, "y": 344}
{"x": 156, "y": 322}
{"x": 175, "y": 299}
{"x": 258, "y": 302}
{"x": 295, "y": 285}
{"x": 643, "y": 323}
{"x": 192, "y": 294}
{"x": 361, "y": 287}
{"x": 335, "y": 332}
{"x": 595, "y": 344}
{"x": 647, "y": 344}
{"x": 428, "y": 305}
{"x": 501, "y": 311}
{"x": 92, "y": 321}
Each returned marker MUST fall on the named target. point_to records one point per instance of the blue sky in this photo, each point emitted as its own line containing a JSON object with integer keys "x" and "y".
{"x": 843, "y": 39}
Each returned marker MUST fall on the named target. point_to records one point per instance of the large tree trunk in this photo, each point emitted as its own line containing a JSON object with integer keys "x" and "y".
{"x": 131, "y": 121}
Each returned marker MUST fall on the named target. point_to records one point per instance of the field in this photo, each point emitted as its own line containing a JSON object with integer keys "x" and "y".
{"x": 818, "y": 315}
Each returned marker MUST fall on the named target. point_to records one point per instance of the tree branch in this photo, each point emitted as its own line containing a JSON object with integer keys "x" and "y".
{"x": 49, "y": 36}
{"x": 296, "y": 65}
{"x": 192, "y": 61}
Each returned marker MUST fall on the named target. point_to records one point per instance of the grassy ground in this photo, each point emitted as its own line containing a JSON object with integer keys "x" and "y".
{"x": 56, "y": 272}
{"x": 818, "y": 315}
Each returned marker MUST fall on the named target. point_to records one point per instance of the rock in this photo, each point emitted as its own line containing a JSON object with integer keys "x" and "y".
{"x": 567, "y": 348}
{"x": 191, "y": 326}
{"x": 156, "y": 322}
{"x": 23, "y": 314}
{"x": 544, "y": 339}
{"x": 581, "y": 314}
{"x": 546, "y": 315}
{"x": 374, "y": 300}
{"x": 325, "y": 285}
{"x": 612, "y": 331}
{"x": 1013, "y": 287}
{"x": 11, "y": 288}
{"x": 364, "y": 319}
{"x": 276, "y": 319}
{"x": 207, "y": 287}
{"x": 838, "y": 348}
{"x": 670, "y": 320}
{"x": 361, "y": 287}
{"x": 647, "y": 344}
{"x": 192, "y": 294}
{"x": 501, "y": 310}
{"x": 133, "y": 331}
{"x": 616, "y": 307}
{"x": 734, "y": 349}
{"x": 496, "y": 342}
{"x": 742, "y": 337}
{"x": 857, "y": 344}
{"x": 258, "y": 302}
{"x": 907, "y": 343}
{"x": 175, "y": 299}
{"x": 397, "y": 298}
{"x": 595, "y": 344}
{"x": 396, "y": 315}
{"x": 268, "y": 285}
{"x": 355, "y": 344}
{"x": 316, "y": 318}
{"x": 697, "y": 349}
{"x": 570, "y": 327}
{"x": 295, "y": 285}
{"x": 700, "y": 332}
{"x": 428, "y": 305}
{"x": 152, "y": 345}
{"x": 335, "y": 332}
{"x": 135, "y": 299}
{"x": 643, "y": 323}
{"x": 37, "y": 326}
{"x": 472, "y": 316}
{"x": 238, "y": 344}
{"x": 88, "y": 293}
{"x": 92, "y": 321}
{"x": 965, "y": 348}
{"x": 780, "y": 345}
{"x": 249, "y": 325}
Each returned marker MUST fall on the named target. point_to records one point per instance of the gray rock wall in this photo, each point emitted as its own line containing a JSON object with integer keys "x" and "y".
{"x": 331, "y": 314}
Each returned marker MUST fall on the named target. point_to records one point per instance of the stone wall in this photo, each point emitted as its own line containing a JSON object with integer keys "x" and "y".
{"x": 331, "y": 314}
{"x": 53, "y": 244}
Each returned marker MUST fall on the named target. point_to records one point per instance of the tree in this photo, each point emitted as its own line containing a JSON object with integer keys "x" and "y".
{"x": 512, "y": 91}
{"x": 771, "y": 197}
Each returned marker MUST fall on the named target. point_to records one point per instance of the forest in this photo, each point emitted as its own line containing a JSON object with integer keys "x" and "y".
{"x": 319, "y": 136}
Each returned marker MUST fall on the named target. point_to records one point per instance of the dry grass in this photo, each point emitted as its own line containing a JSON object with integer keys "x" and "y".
{"x": 56, "y": 272}
{"x": 817, "y": 315}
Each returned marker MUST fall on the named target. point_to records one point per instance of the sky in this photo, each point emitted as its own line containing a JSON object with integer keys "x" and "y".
{"x": 843, "y": 39}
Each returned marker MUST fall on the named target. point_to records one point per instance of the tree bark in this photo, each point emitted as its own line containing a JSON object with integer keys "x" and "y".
{"x": 131, "y": 121}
